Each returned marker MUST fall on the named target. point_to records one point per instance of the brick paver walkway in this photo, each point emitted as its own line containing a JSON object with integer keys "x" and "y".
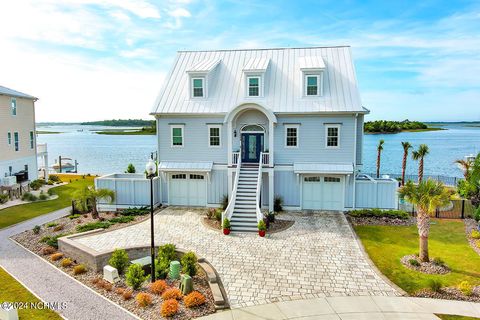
{"x": 317, "y": 257}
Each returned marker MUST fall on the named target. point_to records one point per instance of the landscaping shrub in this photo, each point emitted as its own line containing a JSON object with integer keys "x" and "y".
{"x": 189, "y": 263}
{"x": 377, "y": 213}
{"x": 37, "y": 184}
{"x": 66, "y": 262}
{"x": 476, "y": 214}
{"x": 120, "y": 291}
{"x": 135, "y": 211}
{"x": 162, "y": 268}
{"x": 475, "y": 234}
{"x": 93, "y": 226}
{"x": 438, "y": 261}
{"x": 169, "y": 308}
{"x": 477, "y": 243}
{"x": 224, "y": 202}
{"x": 56, "y": 256}
{"x": 143, "y": 299}
{"x": 81, "y": 268}
{"x": 435, "y": 285}
{"x": 218, "y": 214}
{"x": 27, "y": 196}
{"x": 42, "y": 196}
{"x": 167, "y": 252}
{"x": 210, "y": 213}
{"x": 194, "y": 299}
{"x": 135, "y": 276}
{"x": 51, "y": 192}
{"x": 262, "y": 226}
{"x": 158, "y": 287}
{"x": 130, "y": 168}
{"x": 58, "y": 228}
{"x": 36, "y": 229}
{"x": 127, "y": 294}
{"x": 50, "y": 182}
{"x": 54, "y": 178}
{"x": 277, "y": 204}
{"x": 107, "y": 286}
{"x": 172, "y": 293}
{"x": 466, "y": 288}
{"x": 48, "y": 250}
{"x": 123, "y": 219}
{"x": 74, "y": 216}
{"x": 414, "y": 262}
{"x": 3, "y": 198}
{"x": 119, "y": 260}
{"x": 52, "y": 241}
{"x": 51, "y": 224}
{"x": 226, "y": 224}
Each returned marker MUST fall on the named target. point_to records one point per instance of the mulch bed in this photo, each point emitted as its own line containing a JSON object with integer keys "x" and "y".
{"x": 449, "y": 293}
{"x": 384, "y": 221}
{"x": 424, "y": 267}
{"x": 471, "y": 224}
{"x": 200, "y": 283}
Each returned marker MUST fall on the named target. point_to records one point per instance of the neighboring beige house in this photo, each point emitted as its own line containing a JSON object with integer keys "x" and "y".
{"x": 18, "y": 153}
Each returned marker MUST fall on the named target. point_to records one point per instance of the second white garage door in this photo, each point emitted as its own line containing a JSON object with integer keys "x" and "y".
{"x": 322, "y": 193}
{"x": 188, "y": 190}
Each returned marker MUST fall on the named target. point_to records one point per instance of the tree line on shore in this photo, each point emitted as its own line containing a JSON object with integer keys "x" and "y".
{"x": 385, "y": 126}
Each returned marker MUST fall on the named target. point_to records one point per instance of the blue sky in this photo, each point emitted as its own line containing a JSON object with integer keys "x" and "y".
{"x": 96, "y": 59}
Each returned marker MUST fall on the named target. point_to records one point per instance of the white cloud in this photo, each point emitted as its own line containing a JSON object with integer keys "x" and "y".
{"x": 180, "y": 13}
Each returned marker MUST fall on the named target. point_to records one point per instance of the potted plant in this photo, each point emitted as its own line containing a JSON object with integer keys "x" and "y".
{"x": 226, "y": 226}
{"x": 271, "y": 216}
{"x": 262, "y": 228}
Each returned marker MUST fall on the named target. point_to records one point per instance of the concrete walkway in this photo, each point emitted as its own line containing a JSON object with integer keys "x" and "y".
{"x": 371, "y": 308}
{"x": 50, "y": 284}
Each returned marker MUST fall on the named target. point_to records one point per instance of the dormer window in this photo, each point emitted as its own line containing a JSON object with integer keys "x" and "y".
{"x": 312, "y": 68}
{"x": 198, "y": 87}
{"x": 253, "y": 86}
{"x": 254, "y": 71}
{"x": 312, "y": 83}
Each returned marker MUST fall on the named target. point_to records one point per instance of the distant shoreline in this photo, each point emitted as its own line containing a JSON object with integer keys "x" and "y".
{"x": 412, "y": 130}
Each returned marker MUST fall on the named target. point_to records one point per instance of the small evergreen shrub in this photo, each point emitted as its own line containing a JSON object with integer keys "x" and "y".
{"x": 477, "y": 243}
{"x": 50, "y": 192}
{"x": 143, "y": 299}
{"x": 278, "y": 204}
{"x": 36, "y": 229}
{"x": 210, "y": 213}
{"x": 54, "y": 178}
{"x": 189, "y": 263}
{"x": 56, "y": 256}
{"x": 48, "y": 250}
{"x": 224, "y": 202}
{"x": 127, "y": 294}
{"x": 81, "y": 268}
{"x": 167, "y": 252}
{"x": 158, "y": 287}
{"x": 58, "y": 228}
{"x": 37, "y": 184}
{"x": 262, "y": 226}
{"x": 475, "y": 234}
{"x": 130, "y": 168}
{"x": 74, "y": 216}
{"x": 93, "y": 226}
{"x": 135, "y": 276}
{"x": 226, "y": 223}
{"x": 172, "y": 293}
{"x": 169, "y": 308}
{"x": 52, "y": 241}
{"x": 52, "y": 224}
{"x": 438, "y": 261}
{"x": 378, "y": 213}
{"x": 414, "y": 262}
{"x": 194, "y": 299}
{"x": 135, "y": 211}
{"x": 435, "y": 285}
{"x": 3, "y": 198}
{"x": 42, "y": 196}
{"x": 27, "y": 196}
{"x": 476, "y": 214}
{"x": 466, "y": 288}
{"x": 119, "y": 260}
{"x": 66, "y": 262}
{"x": 162, "y": 268}
{"x": 123, "y": 219}
{"x": 218, "y": 214}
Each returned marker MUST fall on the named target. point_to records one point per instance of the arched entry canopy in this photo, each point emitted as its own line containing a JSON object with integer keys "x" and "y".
{"x": 249, "y": 106}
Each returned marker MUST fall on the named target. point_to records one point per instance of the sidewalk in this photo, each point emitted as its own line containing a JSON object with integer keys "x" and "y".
{"x": 371, "y": 308}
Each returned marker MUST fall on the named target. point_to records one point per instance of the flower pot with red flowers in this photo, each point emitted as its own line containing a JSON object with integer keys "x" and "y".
{"x": 262, "y": 228}
{"x": 226, "y": 226}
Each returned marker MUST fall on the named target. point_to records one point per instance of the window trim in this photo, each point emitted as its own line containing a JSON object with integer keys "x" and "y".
{"x": 204, "y": 86}
{"x": 289, "y": 126}
{"x": 9, "y": 138}
{"x": 319, "y": 76}
{"x": 13, "y": 107}
{"x": 214, "y": 126}
{"x": 260, "y": 85}
{"x": 177, "y": 126}
{"x": 32, "y": 140}
{"x": 16, "y": 141}
{"x": 338, "y": 136}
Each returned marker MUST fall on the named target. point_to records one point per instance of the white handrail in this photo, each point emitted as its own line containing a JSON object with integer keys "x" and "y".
{"x": 259, "y": 185}
{"x": 231, "y": 203}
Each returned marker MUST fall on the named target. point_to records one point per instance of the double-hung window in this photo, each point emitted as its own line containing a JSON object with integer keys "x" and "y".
{"x": 9, "y": 138}
{"x": 332, "y": 136}
{"x": 198, "y": 87}
{"x": 312, "y": 85}
{"x": 291, "y": 136}
{"x": 15, "y": 139}
{"x": 177, "y": 135}
{"x": 32, "y": 140}
{"x": 253, "y": 86}
{"x": 214, "y": 136}
{"x": 13, "y": 104}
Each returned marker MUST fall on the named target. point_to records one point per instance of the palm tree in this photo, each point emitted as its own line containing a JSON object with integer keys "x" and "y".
{"x": 427, "y": 196}
{"x": 466, "y": 166}
{"x": 87, "y": 198}
{"x": 418, "y": 155}
{"x": 379, "y": 154}
{"x": 406, "y": 146}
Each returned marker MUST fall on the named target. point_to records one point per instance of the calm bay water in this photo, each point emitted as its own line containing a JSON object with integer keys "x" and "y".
{"x": 103, "y": 154}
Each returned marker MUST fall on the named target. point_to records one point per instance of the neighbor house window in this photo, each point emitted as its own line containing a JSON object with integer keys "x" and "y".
{"x": 32, "y": 140}
{"x": 214, "y": 136}
{"x": 196, "y": 177}
{"x": 9, "y": 138}
{"x": 312, "y": 179}
{"x": 331, "y": 179}
{"x": 291, "y": 136}
{"x": 312, "y": 85}
{"x": 332, "y": 136}
{"x": 253, "y": 86}
{"x": 15, "y": 138}
{"x": 177, "y": 136}
{"x": 14, "y": 106}
{"x": 198, "y": 85}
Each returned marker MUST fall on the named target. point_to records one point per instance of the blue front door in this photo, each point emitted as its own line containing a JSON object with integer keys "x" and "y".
{"x": 252, "y": 145}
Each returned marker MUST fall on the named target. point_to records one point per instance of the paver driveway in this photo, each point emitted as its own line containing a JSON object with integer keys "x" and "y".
{"x": 317, "y": 257}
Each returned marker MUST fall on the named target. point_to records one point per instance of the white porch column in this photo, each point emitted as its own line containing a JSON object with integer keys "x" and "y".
{"x": 271, "y": 191}
{"x": 270, "y": 143}
{"x": 230, "y": 182}
{"x": 229, "y": 147}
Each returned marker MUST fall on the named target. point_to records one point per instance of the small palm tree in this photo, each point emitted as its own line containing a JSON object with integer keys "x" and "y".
{"x": 87, "y": 198}
{"x": 406, "y": 146}
{"x": 466, "y": 166}
{"x": 379, "y": 154}
{"x": 427, "y": 196}
{"x": 419, "y": 155}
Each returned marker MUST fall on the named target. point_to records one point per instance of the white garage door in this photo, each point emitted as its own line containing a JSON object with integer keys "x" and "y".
{"x": 188, "y": 190}
{"x": 322, "y": 193}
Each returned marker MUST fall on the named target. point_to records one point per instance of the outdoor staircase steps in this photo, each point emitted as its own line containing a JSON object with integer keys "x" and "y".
{"x": 244, "y": 217}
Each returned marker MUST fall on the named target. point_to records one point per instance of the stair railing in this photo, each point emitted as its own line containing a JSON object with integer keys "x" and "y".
{"x": 231, "y": 202}
{"x": 259, "y": 187}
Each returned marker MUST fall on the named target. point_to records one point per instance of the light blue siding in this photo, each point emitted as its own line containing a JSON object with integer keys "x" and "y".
{"x": 360, "y": 139}
{"x": 311, "y": 140}
{"x": 217, "y": 187}
{"x": 287, "y": 186}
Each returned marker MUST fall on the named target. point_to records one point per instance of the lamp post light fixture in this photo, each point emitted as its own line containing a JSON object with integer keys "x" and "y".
{"x": 151, "y": 169}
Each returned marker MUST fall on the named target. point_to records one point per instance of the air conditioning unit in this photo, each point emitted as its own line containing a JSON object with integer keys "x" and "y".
{"x": 9, "y": 181}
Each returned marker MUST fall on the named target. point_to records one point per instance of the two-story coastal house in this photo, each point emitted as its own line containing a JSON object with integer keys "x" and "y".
{"x": 257, "y": 124}
{"x": 18, "y": 150}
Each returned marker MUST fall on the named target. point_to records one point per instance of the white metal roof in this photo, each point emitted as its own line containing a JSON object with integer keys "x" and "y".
{"x": 329, "y": 168}
{"x": 283, "y": 92}
{"x": 204, "y": 66}
{"x": 311, "y": 63}
{"x": 257, "y": 64}
{"x": 13, "y": 93}
{"x": 173, "y": 166}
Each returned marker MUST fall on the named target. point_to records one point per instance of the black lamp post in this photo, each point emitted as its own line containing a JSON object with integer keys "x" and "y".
{"x": 151, "y": 169}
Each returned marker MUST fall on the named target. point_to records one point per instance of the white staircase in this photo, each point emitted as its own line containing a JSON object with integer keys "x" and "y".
{"x": 244, "y": 217}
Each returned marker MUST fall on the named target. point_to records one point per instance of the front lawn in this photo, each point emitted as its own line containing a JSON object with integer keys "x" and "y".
{"x": 16, "y": 214}
{"x": 12, "y": 291}
{"x": 386, "y": 245}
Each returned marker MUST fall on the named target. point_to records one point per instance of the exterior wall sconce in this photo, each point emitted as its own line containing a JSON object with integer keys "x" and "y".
{"x": 235, "y": 133}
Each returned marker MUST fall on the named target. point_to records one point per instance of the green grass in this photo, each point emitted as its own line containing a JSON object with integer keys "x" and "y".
{"x": 450, "y": 317}
{"x": 386, "y": 245}
{"x": 13, "y": 291}
{"x": 16, "y": 214}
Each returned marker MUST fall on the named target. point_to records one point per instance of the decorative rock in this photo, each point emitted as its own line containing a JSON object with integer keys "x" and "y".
{"x": 186, "y": 284}
{"x": 174, "y": 270}
{"x": 110, "y": 274}
{"x": 7, "y": 312}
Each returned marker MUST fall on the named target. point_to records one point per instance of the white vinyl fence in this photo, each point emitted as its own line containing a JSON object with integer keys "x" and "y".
{"x": 376, "y": 192}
